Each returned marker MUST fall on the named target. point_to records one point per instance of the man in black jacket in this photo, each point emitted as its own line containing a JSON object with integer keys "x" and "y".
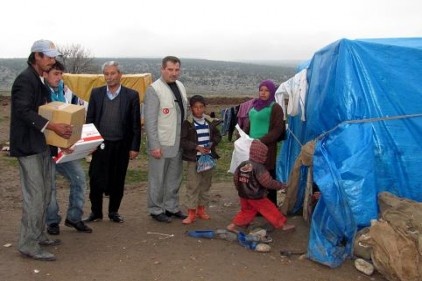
{"x": 115, "y": 112}
{"x": 28, "y": 144}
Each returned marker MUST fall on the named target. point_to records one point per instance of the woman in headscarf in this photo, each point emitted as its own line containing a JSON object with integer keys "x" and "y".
{"x": 267, "y": 124}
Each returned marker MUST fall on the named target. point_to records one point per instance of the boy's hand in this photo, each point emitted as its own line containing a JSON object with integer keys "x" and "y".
{"x": 283, "y": 187}
{"x": 203, "y": 150}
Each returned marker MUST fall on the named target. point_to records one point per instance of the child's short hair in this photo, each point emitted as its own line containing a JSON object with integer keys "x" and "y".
{"x": 197, "y": 98}
{"x": 57, "y": 66}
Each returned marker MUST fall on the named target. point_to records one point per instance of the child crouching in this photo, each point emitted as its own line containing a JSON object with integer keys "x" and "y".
{"x": 252, "y": 181}
{"x": 199, "y": 137}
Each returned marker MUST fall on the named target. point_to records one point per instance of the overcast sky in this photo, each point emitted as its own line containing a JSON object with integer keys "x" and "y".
{"x": 217, "y": 30}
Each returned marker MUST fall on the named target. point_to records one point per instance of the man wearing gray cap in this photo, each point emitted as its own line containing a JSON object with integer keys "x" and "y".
{"x": 28, "y": 144}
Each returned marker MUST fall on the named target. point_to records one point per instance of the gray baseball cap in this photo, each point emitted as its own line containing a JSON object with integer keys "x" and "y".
{"x": 46, "y": 47}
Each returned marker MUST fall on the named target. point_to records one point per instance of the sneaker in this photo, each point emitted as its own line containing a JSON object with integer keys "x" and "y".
{"x": 53, "y": 229}
{"x": 79, "y": 226}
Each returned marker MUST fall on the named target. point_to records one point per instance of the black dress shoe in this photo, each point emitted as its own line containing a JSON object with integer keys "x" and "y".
{"x": 79, "y": 226}
{"x": 178, "y": 215}
{"x": 92, "y": 217}
{"x": 39, "y": 255}
{"x": 50, "y": 242}
{"x": 115, "y": 217}
{"x": 161, "y": 218}
{"x": 53, "y": 229}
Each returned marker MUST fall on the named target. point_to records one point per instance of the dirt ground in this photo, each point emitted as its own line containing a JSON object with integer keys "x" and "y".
{"x": 143, "y": 249}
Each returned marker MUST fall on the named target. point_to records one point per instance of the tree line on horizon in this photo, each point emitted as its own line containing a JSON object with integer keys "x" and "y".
{"x": 200, "y": 76}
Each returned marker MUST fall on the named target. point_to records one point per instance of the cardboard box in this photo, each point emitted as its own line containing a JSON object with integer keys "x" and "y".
{"x": 59, "y": 112}
{"x": 88, "y": 143}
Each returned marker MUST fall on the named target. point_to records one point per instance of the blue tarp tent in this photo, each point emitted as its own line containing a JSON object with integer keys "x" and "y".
{"x": 364, "y": 109}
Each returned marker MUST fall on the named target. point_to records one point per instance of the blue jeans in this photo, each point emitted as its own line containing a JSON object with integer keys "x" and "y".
{"x": 74, "y": 173}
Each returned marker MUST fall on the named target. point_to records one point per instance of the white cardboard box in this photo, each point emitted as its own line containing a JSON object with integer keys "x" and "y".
{"x": 90, "y": 139}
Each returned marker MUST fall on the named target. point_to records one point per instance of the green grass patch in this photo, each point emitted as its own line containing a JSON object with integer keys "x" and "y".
{"x": 7, "y": 161}
{"x": 224, "y": 150}
{"x": 134, "y": 176}
{"x": 138, "y": 172}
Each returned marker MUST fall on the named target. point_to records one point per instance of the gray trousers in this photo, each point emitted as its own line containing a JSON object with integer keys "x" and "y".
{"x": 35, "y": 177}
{"x": 197, "y": 186}
{"x": 164, "y": 180}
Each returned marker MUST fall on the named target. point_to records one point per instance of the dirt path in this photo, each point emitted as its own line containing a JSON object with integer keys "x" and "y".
{"x": 137, "y": 250}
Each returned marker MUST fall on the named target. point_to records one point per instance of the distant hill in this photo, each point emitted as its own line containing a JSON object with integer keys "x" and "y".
{"x": 206, "y": 77}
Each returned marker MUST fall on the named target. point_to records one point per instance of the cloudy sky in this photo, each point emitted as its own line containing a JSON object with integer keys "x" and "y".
{"x": 217, "y": 30}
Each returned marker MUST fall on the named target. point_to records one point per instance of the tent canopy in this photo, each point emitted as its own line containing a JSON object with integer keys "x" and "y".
{"x": 82, "y": 84}
{"x": 364, "y": 109}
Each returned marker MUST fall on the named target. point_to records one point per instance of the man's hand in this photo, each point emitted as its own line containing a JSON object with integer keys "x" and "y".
{"x": 156, "y": 153}
{"x": 133, "y": 154}
{"x": 61, "y": 129}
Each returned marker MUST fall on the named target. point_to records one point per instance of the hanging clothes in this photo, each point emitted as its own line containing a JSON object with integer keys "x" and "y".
{"x": 294, "y": 90}
{"x": 229, "y": 121}
{"x": 243, "y": 113}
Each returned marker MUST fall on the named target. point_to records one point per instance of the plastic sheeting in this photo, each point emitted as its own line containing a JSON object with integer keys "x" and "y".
{"x": 82, "y": 84}
{"x": 364, "y": 108}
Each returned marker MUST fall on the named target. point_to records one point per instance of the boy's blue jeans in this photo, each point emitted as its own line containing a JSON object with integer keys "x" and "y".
{"x": 74, "y": 173}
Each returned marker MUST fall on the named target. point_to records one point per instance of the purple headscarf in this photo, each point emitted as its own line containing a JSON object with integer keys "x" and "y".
{"x": 259, "y": 104}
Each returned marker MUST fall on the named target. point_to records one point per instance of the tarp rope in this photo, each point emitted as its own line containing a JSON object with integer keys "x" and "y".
{"x": 369, "y": 120}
